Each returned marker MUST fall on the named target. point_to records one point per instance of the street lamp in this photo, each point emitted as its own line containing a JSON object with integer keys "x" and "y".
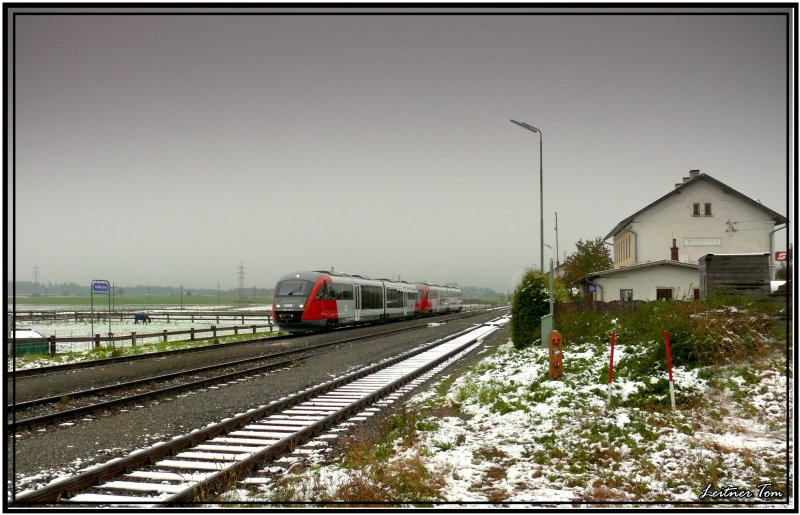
{"x": 552, "y": 280}
{"x": 541, "y": 192}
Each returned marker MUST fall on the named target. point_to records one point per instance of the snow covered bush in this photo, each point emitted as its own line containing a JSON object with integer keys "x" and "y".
{"x": 726, "y": 335}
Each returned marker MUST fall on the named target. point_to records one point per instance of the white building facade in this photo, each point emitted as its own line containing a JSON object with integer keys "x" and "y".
{"x": 657, "y": 248}
{"x": 660, "y": 280}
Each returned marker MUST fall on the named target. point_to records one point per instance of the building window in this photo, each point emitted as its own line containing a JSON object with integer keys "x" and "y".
{"x": 707, "y": 209}
{"x": 663, "y": 293}
{"x": 696, "y": 209}
{"x": 626, "y": 295}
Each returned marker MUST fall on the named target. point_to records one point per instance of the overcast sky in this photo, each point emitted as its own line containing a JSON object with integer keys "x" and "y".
{"x": 169, "y": 149}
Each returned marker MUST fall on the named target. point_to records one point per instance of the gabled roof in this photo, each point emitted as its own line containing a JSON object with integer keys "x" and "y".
{"x": 651, "y": 264}
{"x": 777, "y": 217}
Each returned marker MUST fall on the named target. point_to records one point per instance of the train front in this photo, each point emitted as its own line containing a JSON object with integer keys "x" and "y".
{"x": 295, "y": 306}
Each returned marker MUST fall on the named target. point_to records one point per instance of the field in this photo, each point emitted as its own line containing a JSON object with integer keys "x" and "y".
{"x": 64, "y": 328}
{"x": 78, "y": 302}
{"x": 501, "y": 433}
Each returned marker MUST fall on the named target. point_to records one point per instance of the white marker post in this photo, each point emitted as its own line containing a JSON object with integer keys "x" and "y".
{"x": 611, "y": 369}
{"x": 669, "y": 369}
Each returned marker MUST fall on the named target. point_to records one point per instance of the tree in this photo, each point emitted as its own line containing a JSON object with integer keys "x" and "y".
{"x": 590, "y": 256}
{"x": 530, "y": 302}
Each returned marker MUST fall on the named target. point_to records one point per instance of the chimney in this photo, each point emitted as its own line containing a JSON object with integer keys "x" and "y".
{"x": 693, "y": 173}
{"x": 685, "y": 180}
{"x": 674, "y": 251}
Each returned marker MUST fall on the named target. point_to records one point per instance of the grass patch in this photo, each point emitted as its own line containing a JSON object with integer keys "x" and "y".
{"x": 136, "y": 300}
{"x": 375, "y": 474}
{"x": 115, "y": 352}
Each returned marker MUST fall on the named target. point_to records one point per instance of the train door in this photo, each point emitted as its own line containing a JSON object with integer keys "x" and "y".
{"x": 357, "y": 301}
{"x": 405, "y": 303}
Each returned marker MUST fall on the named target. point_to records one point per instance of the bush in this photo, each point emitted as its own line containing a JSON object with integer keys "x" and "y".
{"x": 721, "y": 336}
{"x": 700, "y": 333}
{"x": 530, "y": 303}
{"x": 587, "y": 325}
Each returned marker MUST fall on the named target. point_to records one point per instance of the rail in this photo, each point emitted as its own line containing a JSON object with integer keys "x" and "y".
{"x": 329, "y": 403}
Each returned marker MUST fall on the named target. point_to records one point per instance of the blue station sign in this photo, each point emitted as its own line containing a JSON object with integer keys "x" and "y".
{"x": 100, "y": 286}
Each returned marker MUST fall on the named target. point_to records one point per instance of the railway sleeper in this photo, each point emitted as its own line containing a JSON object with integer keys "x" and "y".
{"x": 226, "y": 467}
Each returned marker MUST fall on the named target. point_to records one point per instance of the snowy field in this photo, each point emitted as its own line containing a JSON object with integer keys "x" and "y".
{"x": 67, "y": 328}
{"x": 503, "y": 434}
{"x": 84, "y": 328}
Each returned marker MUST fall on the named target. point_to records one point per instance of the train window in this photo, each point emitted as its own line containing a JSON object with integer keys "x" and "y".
{"x": 325, "y": 292}
{"x": 371, "y": 297}
{"x": 293, "y": 287}
{"x": 394, "y": 298}
{"x": 343, "y": 291}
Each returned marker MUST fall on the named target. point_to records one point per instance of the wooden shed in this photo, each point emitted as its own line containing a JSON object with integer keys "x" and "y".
{"x": 740, "y": 274}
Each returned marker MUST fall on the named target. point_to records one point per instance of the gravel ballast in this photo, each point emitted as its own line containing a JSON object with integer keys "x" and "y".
{"x": 40, "y": 457}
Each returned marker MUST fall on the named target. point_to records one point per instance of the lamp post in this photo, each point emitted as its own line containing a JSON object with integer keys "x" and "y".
{"x": 541, "y": 192}
{"x": 552, "y": 280}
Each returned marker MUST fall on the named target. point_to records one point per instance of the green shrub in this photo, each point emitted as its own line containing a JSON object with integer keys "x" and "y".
{"x": 649, "y": 321}
{"x": 586, "y": 325}
{"x": 700, "y": 333}
{"x": 531, "y": 301}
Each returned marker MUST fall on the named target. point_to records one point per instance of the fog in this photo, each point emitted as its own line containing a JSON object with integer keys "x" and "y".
{"x": 168, "y": 149}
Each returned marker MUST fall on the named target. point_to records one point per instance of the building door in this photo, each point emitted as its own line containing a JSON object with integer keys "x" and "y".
{"x": 663, "y": 293}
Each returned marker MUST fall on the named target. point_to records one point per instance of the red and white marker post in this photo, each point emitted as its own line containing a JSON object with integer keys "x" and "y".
{"x": 669, "y": 369}
{"x": 611, "y": 369}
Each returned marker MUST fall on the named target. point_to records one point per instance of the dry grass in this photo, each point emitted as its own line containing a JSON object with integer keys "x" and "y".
{"x": 728, "y": 335}
{"x": 604, "y": 490}
{"x": 375, "y": 476}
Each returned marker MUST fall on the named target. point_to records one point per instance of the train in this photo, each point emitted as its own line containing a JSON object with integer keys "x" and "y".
{"x": 322, "y": 300}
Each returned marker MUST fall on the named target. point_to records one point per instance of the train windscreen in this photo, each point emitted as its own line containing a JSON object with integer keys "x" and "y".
{"x": 294, "y": 288}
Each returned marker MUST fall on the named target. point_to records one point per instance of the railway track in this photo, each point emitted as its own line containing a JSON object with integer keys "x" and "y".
{"x": 43, "y": 411}
{"x": 197, "y": 466}
{"x": 33, "y": 372}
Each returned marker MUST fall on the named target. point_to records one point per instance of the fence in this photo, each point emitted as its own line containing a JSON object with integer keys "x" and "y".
{"x": 50, "y": 344}
{"x": 168, "y": 316}
{"x": 616, "y": 306}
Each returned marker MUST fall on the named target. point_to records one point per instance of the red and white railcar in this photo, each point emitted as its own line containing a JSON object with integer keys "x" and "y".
{"x": 310, "y": 301}
{"x": 435, "y": 300}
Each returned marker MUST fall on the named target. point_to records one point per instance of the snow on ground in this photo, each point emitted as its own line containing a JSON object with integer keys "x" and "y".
{"x": 84, "y": 328}
{"x": 503, "y": 433}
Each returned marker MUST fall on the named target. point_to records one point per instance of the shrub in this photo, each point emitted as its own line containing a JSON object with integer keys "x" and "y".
{"x": 531, "y": 301}
{"x": 586, "y": 325}
{"x": 699, "y": 333}
{"x": 726, "y": 335}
